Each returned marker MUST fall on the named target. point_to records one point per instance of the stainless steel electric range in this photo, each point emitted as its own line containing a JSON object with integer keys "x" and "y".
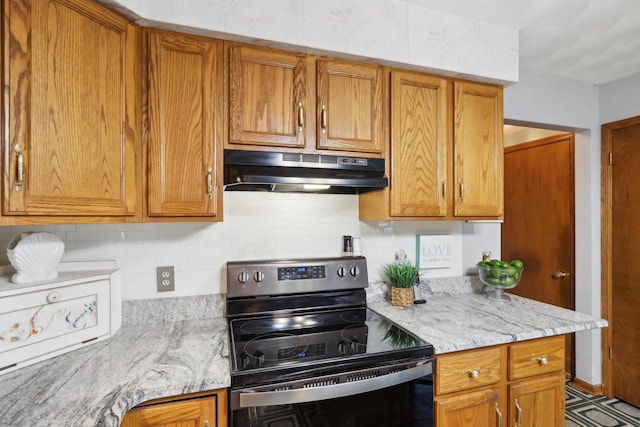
{"x": 307, "y": 352}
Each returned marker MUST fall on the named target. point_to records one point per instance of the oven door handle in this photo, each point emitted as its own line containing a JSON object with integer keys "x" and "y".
{"x": 248, "y": 399}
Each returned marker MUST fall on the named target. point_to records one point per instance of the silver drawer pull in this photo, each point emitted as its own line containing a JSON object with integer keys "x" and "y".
{"x": 472, "y": 373}
{"x": 541, "y": 360}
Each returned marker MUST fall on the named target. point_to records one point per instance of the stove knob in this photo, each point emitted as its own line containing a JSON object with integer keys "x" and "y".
{"x": 342, "y": 347}
{"x": 244, "y": 360}
{"x": 354, "y": 271}
{"x": 259, "y": 357}
{"x": 341, "y": 271}
{"x": 258, "y": 276}
{"x": 243, "y": 277}
{"x": 353, "y": 345}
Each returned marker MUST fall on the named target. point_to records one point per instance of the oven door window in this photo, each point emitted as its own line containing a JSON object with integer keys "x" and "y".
{"x": 405, "y": 405}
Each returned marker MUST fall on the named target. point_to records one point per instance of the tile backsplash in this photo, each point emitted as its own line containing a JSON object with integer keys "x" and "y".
{"x": 255, "y": 226}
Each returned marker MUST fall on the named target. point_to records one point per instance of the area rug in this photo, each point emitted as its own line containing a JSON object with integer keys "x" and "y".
{"x": 585, "y": 410}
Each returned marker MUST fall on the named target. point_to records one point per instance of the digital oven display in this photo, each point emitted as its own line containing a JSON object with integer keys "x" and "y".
{"x": 305, "y": 272}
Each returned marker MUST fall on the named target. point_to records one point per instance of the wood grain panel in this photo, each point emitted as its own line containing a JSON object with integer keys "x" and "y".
{"x": 625, "y": 252}
{"x": 541, "y": 402}
{"x": 473, "y": 409}
{"x": 524, "y": 357}
{"x": 418, "y": 145}
{"x": 351, "y": 94}
{"x": 453, "y": 370}
{"x": 182, "y": 413}
{"x": 478, "y": 150}
{"x": 73, "y": 71}
{"x": 266, "y": 90}
{"x": 184, "y": 115}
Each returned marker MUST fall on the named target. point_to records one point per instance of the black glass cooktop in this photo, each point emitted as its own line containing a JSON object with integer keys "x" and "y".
{"x": 271, "y": 343}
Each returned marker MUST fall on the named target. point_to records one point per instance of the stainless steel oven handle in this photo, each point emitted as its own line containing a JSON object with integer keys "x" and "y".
{"x": 286, "y": 397}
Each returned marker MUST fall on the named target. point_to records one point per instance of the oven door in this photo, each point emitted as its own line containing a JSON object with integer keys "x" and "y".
{"x": 399, "y": 398}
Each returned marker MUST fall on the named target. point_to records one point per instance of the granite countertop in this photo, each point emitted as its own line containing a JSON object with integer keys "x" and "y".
{"x": 96, "y": 385}
{"x": 453, "y": 322}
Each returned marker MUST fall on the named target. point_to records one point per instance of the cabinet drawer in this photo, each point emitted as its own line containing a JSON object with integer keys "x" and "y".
{"x": 462, "y": 371}
{"x": 536, "y": 357}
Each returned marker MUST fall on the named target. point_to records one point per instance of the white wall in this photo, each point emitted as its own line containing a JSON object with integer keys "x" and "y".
{"x": 620, "y": 99}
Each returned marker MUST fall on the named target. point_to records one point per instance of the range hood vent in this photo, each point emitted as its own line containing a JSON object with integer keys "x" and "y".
{"x": 301, "y": 173}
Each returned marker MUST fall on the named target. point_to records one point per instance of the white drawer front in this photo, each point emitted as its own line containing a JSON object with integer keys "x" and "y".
{"x": 46, "y": 322}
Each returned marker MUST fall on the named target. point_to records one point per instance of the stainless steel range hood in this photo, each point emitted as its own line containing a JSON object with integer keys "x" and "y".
{"x": 301, "y": 173}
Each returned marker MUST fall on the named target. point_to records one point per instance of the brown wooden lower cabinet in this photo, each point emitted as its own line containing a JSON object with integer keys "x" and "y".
{"x": 520, "y": 384}
{"x": 207, "y": 409}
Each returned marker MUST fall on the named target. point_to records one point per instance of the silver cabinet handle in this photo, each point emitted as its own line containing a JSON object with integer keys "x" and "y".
{"x": 323, "y": 119}
{"x": 499, "y": 416}
{"x": 519, "y": 415}
{"x": 472, "y": 373}
{"x": 300, "y": 116}
{"x": 209, "y": 183}
{"x": 20, "y": 168}
{"x": 542, "y": 360}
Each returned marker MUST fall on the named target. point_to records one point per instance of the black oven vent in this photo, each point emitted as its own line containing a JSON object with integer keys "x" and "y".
{"x": 362, "y": 376}
{"x": 397, "y": 369}
{"x": 322, "y": 383}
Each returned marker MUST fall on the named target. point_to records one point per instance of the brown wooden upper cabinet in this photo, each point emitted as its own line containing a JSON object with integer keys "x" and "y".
{"x": 72, "y": 119}
{"x": 349, "y": 107}
{"x": 184, "y": 122}
{"x": 440, "y": 167}
{"x": 478, "y": 150}
{"x": 277, "y": 100}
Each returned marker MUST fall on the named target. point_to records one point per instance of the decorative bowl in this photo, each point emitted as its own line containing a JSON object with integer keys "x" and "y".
{"x": 35, "y": 256}
{"x": 499, "y": 279}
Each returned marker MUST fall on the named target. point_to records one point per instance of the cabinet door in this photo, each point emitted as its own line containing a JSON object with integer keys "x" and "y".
{"x": 185, "y": 112}
{"x": 478, "y": 408}
{"x": 537, "y": 402}
{"x": 478, "y": 150}
{"x": 207, "y": 411}
{"x": 269, "y": 98}
{"x": 419, "y": 141}
{"x": 73, "y": 110}
{"x": 349, "y": 107}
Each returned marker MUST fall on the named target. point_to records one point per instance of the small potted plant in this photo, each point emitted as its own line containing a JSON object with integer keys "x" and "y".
{"x": 401, "y": 276}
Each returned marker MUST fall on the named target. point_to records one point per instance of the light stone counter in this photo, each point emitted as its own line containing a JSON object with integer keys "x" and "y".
{"x": 96, "y": 385}
{"x": 453, "y": 322}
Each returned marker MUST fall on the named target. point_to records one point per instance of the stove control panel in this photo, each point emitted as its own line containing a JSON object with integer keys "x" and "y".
{"x": 278, "y": 277}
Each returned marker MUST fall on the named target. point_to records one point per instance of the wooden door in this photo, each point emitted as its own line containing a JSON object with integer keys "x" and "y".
{"x": 537, "y": 402}
{"x": 198, "y": 412}
{"x": 73, "y": 113}
{"x": 624, "y": 322}
{"x": 270, "y": 98}
{"x": 419, "y": 145}
{"x": 478, "y": 170}
{"x": 538, "y": 226}
{"x": 184, "y": 97}
{"x": 478, "y": 408}
{"x": 349, "y": 107}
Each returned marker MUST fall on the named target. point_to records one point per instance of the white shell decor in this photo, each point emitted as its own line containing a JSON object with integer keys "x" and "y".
{"x": 35, "y": 256}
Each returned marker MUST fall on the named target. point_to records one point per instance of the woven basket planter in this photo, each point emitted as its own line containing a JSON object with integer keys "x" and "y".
{"x": 402, "y": 297}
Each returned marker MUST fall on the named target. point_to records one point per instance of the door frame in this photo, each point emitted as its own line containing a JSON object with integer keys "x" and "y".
{"x": 607, "y": 247}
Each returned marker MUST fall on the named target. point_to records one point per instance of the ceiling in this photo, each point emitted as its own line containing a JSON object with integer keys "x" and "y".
{"x": 589, "y": 41}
